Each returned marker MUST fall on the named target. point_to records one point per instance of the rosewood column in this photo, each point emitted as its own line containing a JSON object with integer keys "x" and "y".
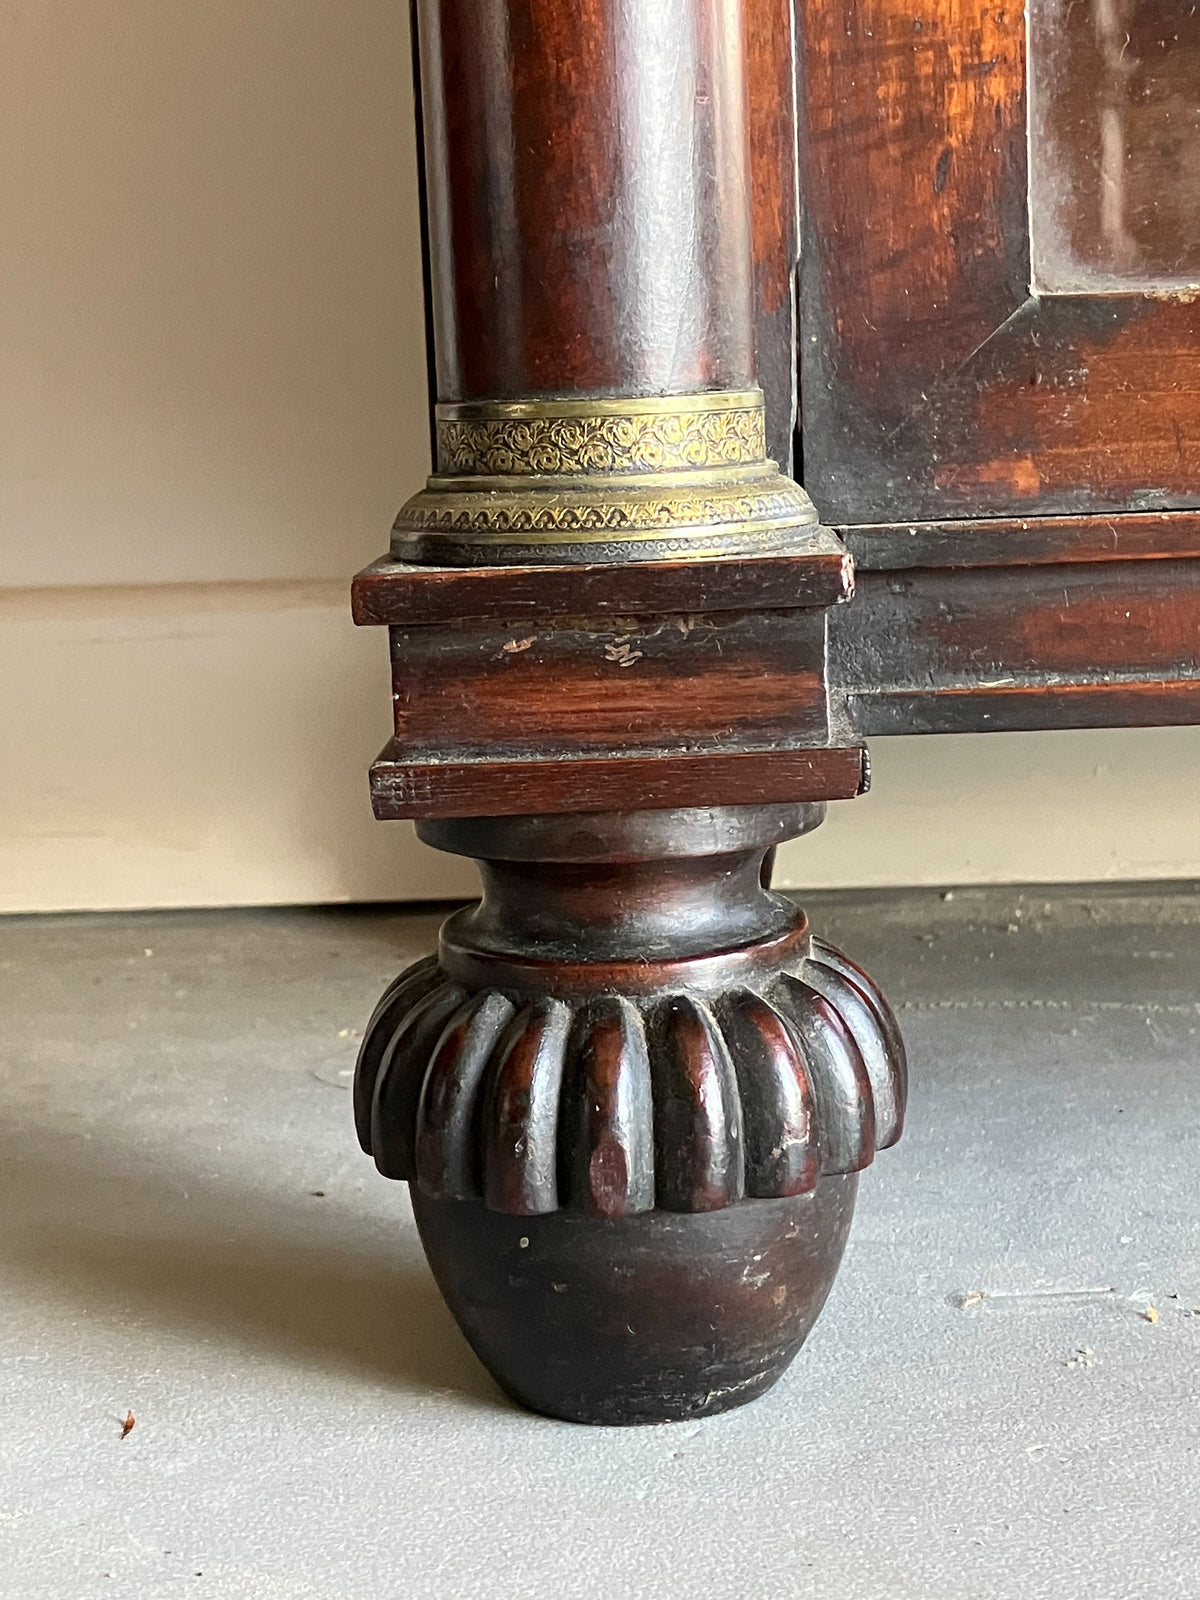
{"x": 631, "y": 1092}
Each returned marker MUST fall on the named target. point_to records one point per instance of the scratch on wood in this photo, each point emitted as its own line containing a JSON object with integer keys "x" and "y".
{"x": 622, "y": 654}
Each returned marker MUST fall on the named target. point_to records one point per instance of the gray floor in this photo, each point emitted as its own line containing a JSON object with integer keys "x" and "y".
{"x": 189, "y": 1233}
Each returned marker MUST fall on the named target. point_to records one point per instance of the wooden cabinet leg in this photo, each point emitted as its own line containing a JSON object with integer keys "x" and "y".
{"x": 631, "y": 1095}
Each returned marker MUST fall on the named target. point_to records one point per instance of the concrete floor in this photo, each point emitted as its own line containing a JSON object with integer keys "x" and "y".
{"x": 189, "y": 1233}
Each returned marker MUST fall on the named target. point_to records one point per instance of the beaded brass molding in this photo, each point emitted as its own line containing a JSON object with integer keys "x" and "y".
{"x": 633, "y": 479}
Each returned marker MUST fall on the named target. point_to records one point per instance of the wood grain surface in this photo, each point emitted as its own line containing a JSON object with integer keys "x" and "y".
{"x": 390, "y": 591}
{"x": 935, "y": 384}
{"x": 402, "y": 787}
{"x": 1072, "y": 646}
{"x": 589, "y": 212}
{"x": 694, "y": 683}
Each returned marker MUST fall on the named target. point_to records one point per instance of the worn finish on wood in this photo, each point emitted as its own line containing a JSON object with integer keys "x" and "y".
{"x": 616, "y": 1034}
{"x": 663, "y": 1318}
{"x": 1024, "y": 541}
{"x": 1030, "y": 707}
{"x": 631, "y": 1092}
{"x": 503, "y": 711}
{"x": 661, "y": 141}
{"x": 622, "y": 836}
{"x": 611, "y": 1098}
{"x": 588, "y": 195}
{"x": 700, "y": 683}
{"x": 1114, "y": 140}
{"x": 401, "y": 787}
{"x": 934, "y": 384}
{"x": 819, "y": 573}
{"x": 774, "y": 212}
{"x": 1073, "y": 646}
{"x": 610, "y": 219}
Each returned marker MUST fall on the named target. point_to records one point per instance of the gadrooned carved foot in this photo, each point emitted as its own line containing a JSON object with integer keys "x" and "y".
{"x": 634, "y": 1177}
{"x": 612, "y": 1104}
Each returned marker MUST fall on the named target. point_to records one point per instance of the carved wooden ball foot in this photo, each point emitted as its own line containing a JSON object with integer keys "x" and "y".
{"x": 631, "y": 1094}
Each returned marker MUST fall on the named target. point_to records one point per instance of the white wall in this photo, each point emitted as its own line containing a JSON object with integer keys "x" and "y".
{"x": 211, "y": 404}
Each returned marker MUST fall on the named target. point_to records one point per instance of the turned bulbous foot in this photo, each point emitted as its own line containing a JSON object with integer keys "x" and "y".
{"x": 631, "y": 1096}
{"x": 652, "y": 1318}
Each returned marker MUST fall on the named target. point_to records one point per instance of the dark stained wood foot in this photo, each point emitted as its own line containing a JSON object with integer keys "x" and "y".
{"x": 631, "y": 1093}
{"x": 655, "y": 1318}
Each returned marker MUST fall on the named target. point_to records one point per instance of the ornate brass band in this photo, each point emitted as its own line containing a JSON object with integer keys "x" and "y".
{"x": 597, "y": 480}
{"x": 687, "y": 434}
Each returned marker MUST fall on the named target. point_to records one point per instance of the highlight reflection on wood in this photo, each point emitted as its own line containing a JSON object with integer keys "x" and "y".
{"x": 1114, "y": 90}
